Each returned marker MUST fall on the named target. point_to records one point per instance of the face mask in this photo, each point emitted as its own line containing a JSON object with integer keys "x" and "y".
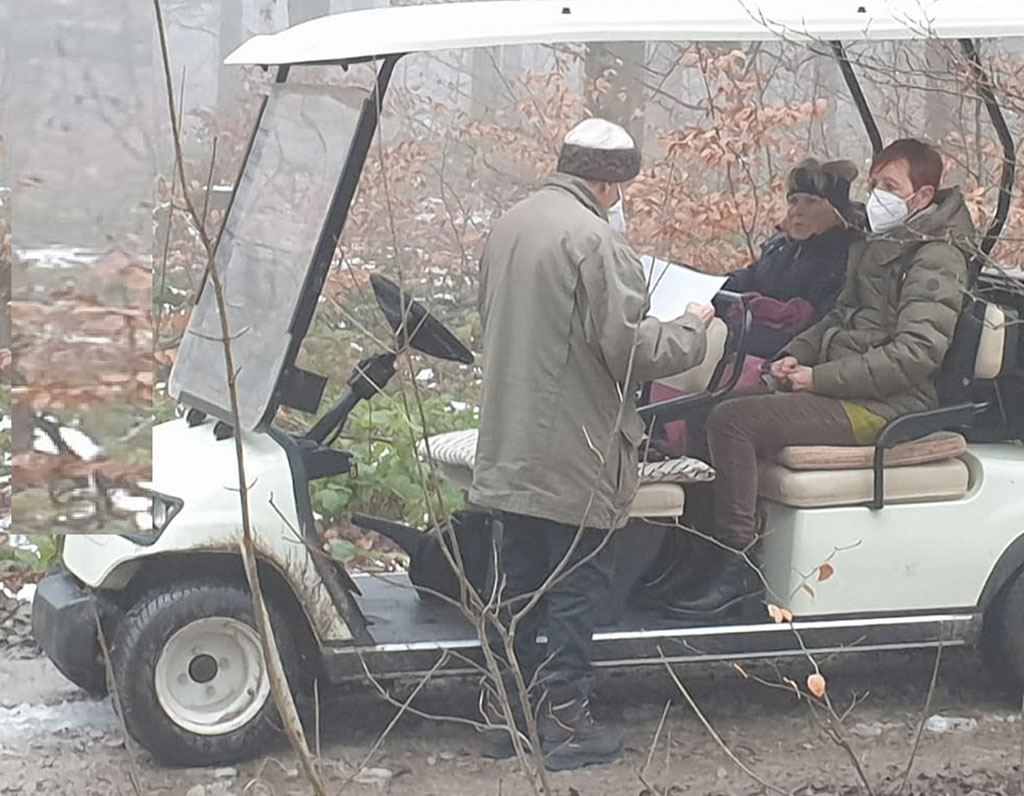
{"x": 617, "y": 216}
{"x": 885, "y": 210}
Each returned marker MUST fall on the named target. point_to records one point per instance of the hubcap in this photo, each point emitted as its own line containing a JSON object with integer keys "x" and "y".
{"x": 210, "y": 676}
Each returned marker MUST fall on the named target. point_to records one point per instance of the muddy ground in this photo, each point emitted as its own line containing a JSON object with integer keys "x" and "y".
{"x": 54, "y": 740}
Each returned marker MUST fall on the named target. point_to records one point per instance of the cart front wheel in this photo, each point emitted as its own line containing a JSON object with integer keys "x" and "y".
{"x": 210, "y": 676}
{"x": 192, "y": 681}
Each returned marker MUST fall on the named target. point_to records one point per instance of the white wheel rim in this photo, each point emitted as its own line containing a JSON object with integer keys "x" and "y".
{"x": 210, "y": 676}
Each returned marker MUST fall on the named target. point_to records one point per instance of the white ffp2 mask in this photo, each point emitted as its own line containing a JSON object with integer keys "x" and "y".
{"x": 885, "y": 210}
{"x": 617, "y": 216}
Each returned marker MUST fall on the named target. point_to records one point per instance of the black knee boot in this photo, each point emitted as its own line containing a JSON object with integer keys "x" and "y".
{"x": 735, "y": 582}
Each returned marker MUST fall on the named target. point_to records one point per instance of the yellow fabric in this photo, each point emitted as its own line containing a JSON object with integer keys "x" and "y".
{"x": 866, "y": 424}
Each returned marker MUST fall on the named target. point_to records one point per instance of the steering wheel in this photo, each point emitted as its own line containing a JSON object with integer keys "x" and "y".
{"x": 413, "y": 324}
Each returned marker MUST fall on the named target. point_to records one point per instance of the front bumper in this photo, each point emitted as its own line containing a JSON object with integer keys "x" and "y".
{"x": 64, "y": 626}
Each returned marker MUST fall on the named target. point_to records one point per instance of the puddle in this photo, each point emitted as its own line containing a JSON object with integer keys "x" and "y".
{"x": 28, "y": 722}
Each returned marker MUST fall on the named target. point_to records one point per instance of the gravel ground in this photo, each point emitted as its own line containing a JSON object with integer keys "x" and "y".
{"x": 54, "y": 740}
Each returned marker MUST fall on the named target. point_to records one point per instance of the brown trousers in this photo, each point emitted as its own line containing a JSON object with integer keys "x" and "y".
{"x": 741, "y": 430}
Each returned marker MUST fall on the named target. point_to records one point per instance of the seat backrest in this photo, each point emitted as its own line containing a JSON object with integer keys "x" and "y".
{"x": 975, "y": 353}
{"x": 988, "y": 363}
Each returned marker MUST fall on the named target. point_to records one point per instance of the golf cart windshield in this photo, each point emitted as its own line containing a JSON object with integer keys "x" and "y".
{"x": 266, "y": 250}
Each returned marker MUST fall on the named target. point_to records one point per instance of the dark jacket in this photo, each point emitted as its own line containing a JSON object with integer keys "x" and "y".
{"x": 812, "y": 270}
{"x": 883, "y": 342}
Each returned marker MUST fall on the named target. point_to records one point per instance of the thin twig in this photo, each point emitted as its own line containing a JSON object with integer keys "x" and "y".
{"x": 654, "y": 741}
{"x": 402, "y": 710}
{"x": 115, "y": 697}
{"x": 275, "y": 669}
{"x": 714, "y": 733}
{"x": 924, "y": 719}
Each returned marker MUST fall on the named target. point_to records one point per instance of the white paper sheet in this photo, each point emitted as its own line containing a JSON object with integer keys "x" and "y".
{"x": 673, "y": 286}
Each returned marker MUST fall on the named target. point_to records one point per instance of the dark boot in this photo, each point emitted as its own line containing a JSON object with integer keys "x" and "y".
{"x": 497, "y": 741}
{"x": 734, "y": 583}
{"x": 686, "y": 575}
{"x": 569, "y": 736}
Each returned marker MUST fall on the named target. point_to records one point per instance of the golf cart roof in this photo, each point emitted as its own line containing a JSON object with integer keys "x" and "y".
{"x": 361, "y": 35}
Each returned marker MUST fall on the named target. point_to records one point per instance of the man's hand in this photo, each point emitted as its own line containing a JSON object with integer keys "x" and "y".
{"x": 705, "y": 312}
{"x": 781, "y": 368}
{"x": 801, "y": 379}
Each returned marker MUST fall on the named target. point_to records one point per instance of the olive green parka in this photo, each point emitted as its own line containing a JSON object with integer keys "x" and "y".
{"x": 883, "y": 342}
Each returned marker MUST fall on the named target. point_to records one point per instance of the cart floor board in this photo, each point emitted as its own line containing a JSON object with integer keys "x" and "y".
{"x": 397, "y": 615}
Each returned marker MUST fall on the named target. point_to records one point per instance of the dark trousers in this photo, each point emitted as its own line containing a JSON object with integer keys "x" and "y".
{"x": 741, "y": 430}
{"x": 531, "y": 549}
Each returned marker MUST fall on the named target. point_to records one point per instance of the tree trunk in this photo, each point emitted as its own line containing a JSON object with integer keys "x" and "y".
{"x": 229, "y": 78}
{"x": 484, "y": 81}
{"x": 938, "y": 106}
{"x": 613, "y": 84}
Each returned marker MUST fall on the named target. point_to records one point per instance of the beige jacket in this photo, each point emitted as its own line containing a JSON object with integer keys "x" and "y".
{"x": 567, "y": 341}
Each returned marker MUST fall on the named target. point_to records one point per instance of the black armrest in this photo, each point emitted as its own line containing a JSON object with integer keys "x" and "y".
{"x": 680, "y": 408}
{"x": 914, "y": 426}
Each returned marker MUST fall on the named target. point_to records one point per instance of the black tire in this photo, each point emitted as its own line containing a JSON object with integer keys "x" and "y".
{"x": 1002, "y": 638}
{"x": 142, "y": 636}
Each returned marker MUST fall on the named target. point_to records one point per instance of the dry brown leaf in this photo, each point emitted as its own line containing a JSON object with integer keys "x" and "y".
{"x": 816, "y": 685}
{"x": 826, "y": 571}
{"x": 779, "y": 615}
{"x": 808, "y": 589}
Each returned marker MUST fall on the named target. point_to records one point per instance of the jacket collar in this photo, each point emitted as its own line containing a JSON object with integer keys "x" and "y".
{"x": 832, "y": 239}
{"x": 578, "y": 188}
{"x": 829, "y": 239}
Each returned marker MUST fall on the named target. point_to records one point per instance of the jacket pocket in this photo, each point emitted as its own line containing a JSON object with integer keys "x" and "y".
{"x": 632, "y": 428}
{"x": 631, "y": 436}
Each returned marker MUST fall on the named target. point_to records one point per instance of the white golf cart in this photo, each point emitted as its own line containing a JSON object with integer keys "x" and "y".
{"x": 930, "y": 522}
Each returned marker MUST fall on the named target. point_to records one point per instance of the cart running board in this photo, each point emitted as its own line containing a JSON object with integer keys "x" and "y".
{"x": 413, "y": 635}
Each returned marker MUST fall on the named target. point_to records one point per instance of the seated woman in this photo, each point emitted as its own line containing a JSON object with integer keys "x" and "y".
{"x": 873, "y": 357}
{"x": 801, "y": 270}
{"x": 798, "y": 276}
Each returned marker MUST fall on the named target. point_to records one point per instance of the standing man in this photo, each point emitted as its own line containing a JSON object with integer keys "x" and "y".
{"x": 567, "y": 340}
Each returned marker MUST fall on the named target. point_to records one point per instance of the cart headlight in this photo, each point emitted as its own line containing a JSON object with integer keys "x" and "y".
{"x": 165, "y": 509}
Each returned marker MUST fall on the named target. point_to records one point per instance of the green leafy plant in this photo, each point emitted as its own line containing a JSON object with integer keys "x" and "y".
{"x": 389, "y": 479}
{"x": 36, "y": 557}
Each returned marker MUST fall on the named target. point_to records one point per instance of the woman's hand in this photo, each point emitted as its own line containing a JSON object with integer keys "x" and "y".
{"x": 801, "y": 379}
{"x": 781, "y": 368}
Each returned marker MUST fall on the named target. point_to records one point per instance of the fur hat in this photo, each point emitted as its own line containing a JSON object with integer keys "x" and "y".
{"x": 599, "y": 151}
{"x": 831, "y": 181}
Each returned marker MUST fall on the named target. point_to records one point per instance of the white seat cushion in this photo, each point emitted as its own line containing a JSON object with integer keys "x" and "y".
{"x": 660, "y": 494}
{"x": 943, "y": 480}
{"x": 458, "y": 449}
{"x": 658, "y": 501}
{"x": 453, "y": 447}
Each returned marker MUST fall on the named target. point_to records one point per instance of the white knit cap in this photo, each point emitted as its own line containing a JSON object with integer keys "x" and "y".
{"x": 599, "y": 151}
{"x": 599, "y": 134}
